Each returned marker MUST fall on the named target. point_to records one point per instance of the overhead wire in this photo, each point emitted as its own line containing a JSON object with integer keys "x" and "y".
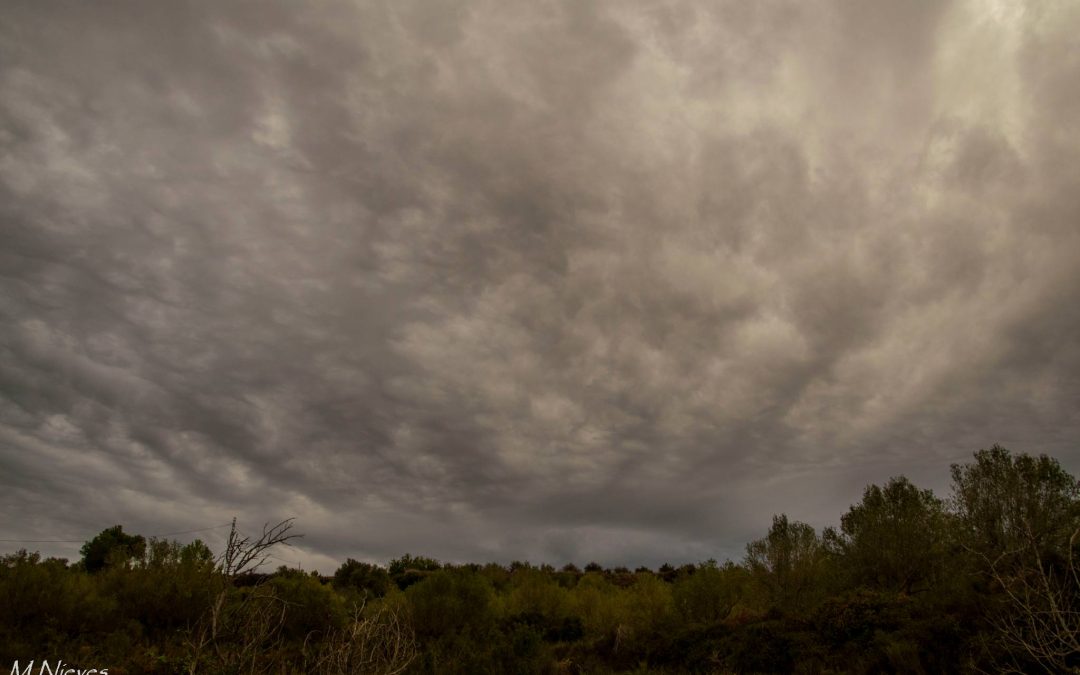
{"x": 162, "y": 534}
{"x": 79, "y": 541}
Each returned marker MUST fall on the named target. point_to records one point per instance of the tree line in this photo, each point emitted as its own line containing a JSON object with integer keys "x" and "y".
{"x": 984, "y": 580}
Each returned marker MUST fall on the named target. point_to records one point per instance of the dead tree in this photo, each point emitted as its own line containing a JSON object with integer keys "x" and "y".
{"x": 381, "y": 643}
{"x": 243, "y": 554}
{"x": 240, "y": 626}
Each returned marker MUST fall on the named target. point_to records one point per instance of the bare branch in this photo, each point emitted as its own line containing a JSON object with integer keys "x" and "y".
{"x": 243, "y": 554}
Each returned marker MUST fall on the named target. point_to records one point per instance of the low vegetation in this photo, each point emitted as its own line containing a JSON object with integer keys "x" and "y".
{"x": 985, "y": 580}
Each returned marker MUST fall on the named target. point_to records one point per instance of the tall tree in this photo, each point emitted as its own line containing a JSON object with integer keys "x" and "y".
{"x": 786, "y": 561}
{"x": 894, "y": 539}
{"x": 1008, "y": 503}
{"x": 1020, "y": 518}
{"x": 364, "y": 577}
{"x": 111, "y": 546}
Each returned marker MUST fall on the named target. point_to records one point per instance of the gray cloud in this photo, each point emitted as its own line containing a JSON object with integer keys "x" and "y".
{"x": 542, "y": 280}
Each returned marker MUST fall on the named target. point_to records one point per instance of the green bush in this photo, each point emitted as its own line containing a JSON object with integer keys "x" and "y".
{"x": 449, "y": 602}
{"x": 366, "y": 579}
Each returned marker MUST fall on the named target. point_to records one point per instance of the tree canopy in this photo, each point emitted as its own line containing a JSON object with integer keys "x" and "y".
{"x": 985, "y": 580}
{"x": 111, "y": 546}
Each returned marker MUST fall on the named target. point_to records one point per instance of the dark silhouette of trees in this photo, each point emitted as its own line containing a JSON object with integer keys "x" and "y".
{"x": 244, "y": 554}
{"x": 987, "y": 580}
{"x": 1019, "y": 518}
{"x": 1007, "y": 503}
{"x": 895, "y": 539}
{"x": 408, "y": 570}
{"x": 369, "y": 580}
{"x": 111, "y": 546}
{"x": 786, "y": 562}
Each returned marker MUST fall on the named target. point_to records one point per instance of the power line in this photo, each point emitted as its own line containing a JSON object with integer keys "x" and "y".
{"x": 79, "y": 541}
{"x": 205, "y": 529}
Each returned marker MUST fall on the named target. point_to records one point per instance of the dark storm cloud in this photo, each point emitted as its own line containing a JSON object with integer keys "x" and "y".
{"x": 548, "y": 280}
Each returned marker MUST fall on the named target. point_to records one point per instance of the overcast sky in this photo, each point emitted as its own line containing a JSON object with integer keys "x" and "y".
{"x": 557, "y": 281}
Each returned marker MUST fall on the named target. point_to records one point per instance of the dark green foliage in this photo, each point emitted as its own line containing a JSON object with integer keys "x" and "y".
{"x": 408, "y": 570}
{"x": 369, "y": 580}
{"x": 167, "y": 588}
{"x": 450, "y": 602}
{"x": 46, "y": 603}
{"x": 696, "y": 648}
{"x": 787, "y": 563}
{"x": 764, "y": 647}
{"x": 1018, "y": 521}
{"x": 311, "y": 606}
{"x": 1007, "y": 502}
{"x": 906, "y": 584}
{"x": 853, "y": 619}
{"x": 895, "y": 539}
{"x": 568, "y": 629}
{"x": 408, "y": 562}
{"x": 111, "y": 547}
{"x": 709, "y": 595}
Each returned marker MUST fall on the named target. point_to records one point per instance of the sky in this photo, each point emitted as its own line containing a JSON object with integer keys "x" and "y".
{"x": 555, "y": 281}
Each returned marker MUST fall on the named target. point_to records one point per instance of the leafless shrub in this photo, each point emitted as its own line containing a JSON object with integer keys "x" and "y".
{"x": 381, "y": 643}
{"x": 239, "y": 628}
{"x": 244, "y": 554}
{"x": 236, "y": 634}
{"x": 1041, "y": 619}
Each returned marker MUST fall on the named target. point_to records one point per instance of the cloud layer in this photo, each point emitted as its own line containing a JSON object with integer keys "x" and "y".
{"x": 548, "y": 280}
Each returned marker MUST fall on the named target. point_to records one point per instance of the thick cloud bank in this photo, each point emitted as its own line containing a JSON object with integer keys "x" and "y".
{"x": 547, "y": 280}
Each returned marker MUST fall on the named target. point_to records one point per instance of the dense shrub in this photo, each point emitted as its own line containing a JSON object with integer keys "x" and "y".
{"x": 367, "y": 579}
{"x": 856, "y": 600}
